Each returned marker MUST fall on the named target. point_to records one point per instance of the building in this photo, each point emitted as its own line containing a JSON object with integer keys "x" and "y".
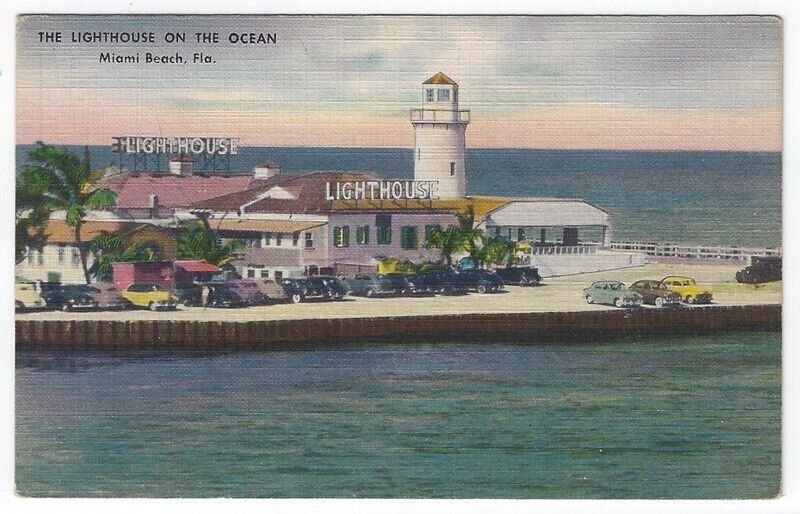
{"x": 291, "y": 228}
{"x": 165, "y": 197}
{"x": 440, "y": 137}
{"x": 345, "y": 223}
{"x": 60, "y": 261}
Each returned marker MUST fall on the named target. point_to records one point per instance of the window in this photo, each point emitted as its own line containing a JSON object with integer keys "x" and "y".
{"x": 76, "y": 258}
{"x": 61, "y": 254}
{"x": 251, "y": 273}
{"x": 452, "y": 169}
{"x": 408, "y": 237}
{"x": 429, "y": 229}
{"x": 309, "y": 240}
{"x": 295, "y": 238}
{"x": 362, "y": 235}
{"x": 429, "y": 95}
{"x": 278, "y": 237}
{"x": 443, "y": 95}
{"x": 278, "y": 276}
{"x": 419, "y": 153}
{"x": 341, "y": 236}
{"x": 267, "y": 238}
{"x": 383, "y": 223}
{"x": 40, "y": 258}
{"x": 264, "y": 273}
{"x": 30, "y": 256}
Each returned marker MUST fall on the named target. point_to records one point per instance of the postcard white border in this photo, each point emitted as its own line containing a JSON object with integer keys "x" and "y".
{"x": 788, "y": 10}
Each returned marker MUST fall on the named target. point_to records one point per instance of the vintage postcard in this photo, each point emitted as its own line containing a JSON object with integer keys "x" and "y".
{"x": 398, "y": 256}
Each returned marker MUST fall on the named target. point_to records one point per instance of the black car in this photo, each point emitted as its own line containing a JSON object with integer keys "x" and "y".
{"x": 482, "y": 281}
{"x": 338, "y": 289}
{"x": 220, "y": 294}
{"x": 66, "y": 297}
{"x": 415, "y": 285}
{"x": 761, "y": 271}
{"x": 519, "y": 276}
{"x": 446, "y": 282}
{"x": 304, "y": 289}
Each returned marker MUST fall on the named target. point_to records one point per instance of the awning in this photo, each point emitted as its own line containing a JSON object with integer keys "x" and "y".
{"x": 547, "y": 213}
{"x": 250, "y": 225}
{"x": 196, "y": 266}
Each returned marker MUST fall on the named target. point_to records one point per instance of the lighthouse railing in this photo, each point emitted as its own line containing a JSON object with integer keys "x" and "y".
{"x": 440, "y": 115}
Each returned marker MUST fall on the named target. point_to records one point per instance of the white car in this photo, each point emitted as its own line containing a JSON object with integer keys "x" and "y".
{"x": 26, "y": 297}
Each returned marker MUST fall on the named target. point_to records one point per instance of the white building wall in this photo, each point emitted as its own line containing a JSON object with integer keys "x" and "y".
{"x": 38, "y": 265}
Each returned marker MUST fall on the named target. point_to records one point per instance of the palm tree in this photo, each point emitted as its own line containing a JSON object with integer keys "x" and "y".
{"x": 110, "y": 248}
{"x": 448, "y": 240}
{"x": 197, "y": 241}
{"x": 453, "y": 239}
{"x": 62, "y": 182}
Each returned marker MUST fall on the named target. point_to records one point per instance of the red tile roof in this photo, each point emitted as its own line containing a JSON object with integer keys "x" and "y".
{"x": 309, "y": 189}
{"x": 134, "y": 189}
{"x": 196, "y": 266}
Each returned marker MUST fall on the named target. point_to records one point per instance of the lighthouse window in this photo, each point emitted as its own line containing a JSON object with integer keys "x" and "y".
{"x": 452, "y": 169}
{"x": 429, "y": 95}
{"x": 443, "y": 95}
{"x": 383, "y": 223}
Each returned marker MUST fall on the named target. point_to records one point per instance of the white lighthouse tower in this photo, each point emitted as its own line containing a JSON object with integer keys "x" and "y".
{"x": 439, "y": 137}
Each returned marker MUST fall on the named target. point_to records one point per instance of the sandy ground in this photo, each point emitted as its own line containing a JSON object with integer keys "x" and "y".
{"x": 556, "y": 294}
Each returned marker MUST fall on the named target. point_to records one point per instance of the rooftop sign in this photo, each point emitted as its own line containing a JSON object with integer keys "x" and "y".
{"x": 382, "y": 190}
{"x": 173, "y": 145}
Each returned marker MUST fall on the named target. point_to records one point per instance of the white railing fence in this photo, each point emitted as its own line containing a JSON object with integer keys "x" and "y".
{"x": 687, "y": 251}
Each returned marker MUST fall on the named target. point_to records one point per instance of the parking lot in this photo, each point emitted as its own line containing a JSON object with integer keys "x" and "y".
{"x": 555, "y": 294}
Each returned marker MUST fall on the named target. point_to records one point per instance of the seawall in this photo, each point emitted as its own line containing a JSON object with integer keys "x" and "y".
{"x": 533, "y": 327}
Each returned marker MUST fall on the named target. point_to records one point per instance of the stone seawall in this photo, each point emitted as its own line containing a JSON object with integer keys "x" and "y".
{"x": 534, "y": 327}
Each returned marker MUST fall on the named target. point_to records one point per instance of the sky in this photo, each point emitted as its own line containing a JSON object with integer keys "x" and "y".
{"x": 650, "y": 83}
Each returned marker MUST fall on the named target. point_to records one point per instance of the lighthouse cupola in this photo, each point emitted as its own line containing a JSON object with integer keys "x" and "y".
{"x": 440, "y": 137}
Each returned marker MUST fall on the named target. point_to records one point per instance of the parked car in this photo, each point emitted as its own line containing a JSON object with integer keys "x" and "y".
{"x": 761, "y": 271}
{"x": 611, "y": 292}
{"x": 414, "y": 284}
{"x": 67, "y": 297}
{"x": 248, "y": 291}
{"x": 372, "y": 286}
{"x": 519, "y": 275}
{"x": 446, "y": 282}
{"x": 655, "y": 293}
{"x": 301, "y": 290}
{"x": 150, "y": 296}
{"x": 482, "y": 281}
{"x": 190, "y": 295}
{"x": 338, "y": 288}
{"x": 26, "y": 297}
{"x": 224, "y": 295}
{"x": 272, "y": 290}
{"x": 105, "y": 295}
{"x": 688, "y": 289}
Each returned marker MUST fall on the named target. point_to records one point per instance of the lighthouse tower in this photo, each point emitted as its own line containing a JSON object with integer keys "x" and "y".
{"x": 439, "y": 137}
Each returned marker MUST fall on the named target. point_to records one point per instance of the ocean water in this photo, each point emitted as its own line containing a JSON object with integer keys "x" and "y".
{"x": 669, "y": 417}
{"x": 724, "y": 198}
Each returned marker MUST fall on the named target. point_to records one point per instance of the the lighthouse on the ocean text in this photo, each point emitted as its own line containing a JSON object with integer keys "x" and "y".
{"x": 439, "y": 137}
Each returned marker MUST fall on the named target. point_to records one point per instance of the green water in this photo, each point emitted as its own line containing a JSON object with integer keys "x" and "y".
{"x": 689, "y": 417}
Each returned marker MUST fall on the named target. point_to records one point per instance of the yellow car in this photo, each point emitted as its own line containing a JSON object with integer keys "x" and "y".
{"x": 688, "y": 289}
{"x": 26, "y": 297}
{"x": 151, "y": 296}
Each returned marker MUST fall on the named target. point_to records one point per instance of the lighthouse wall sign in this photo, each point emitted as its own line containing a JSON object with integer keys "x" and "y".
{"x": 440, "y": 137}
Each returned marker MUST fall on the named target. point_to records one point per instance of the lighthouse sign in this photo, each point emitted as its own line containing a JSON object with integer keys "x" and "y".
{"x": 382, "y": 190}
{"x": 188, "y": 145}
